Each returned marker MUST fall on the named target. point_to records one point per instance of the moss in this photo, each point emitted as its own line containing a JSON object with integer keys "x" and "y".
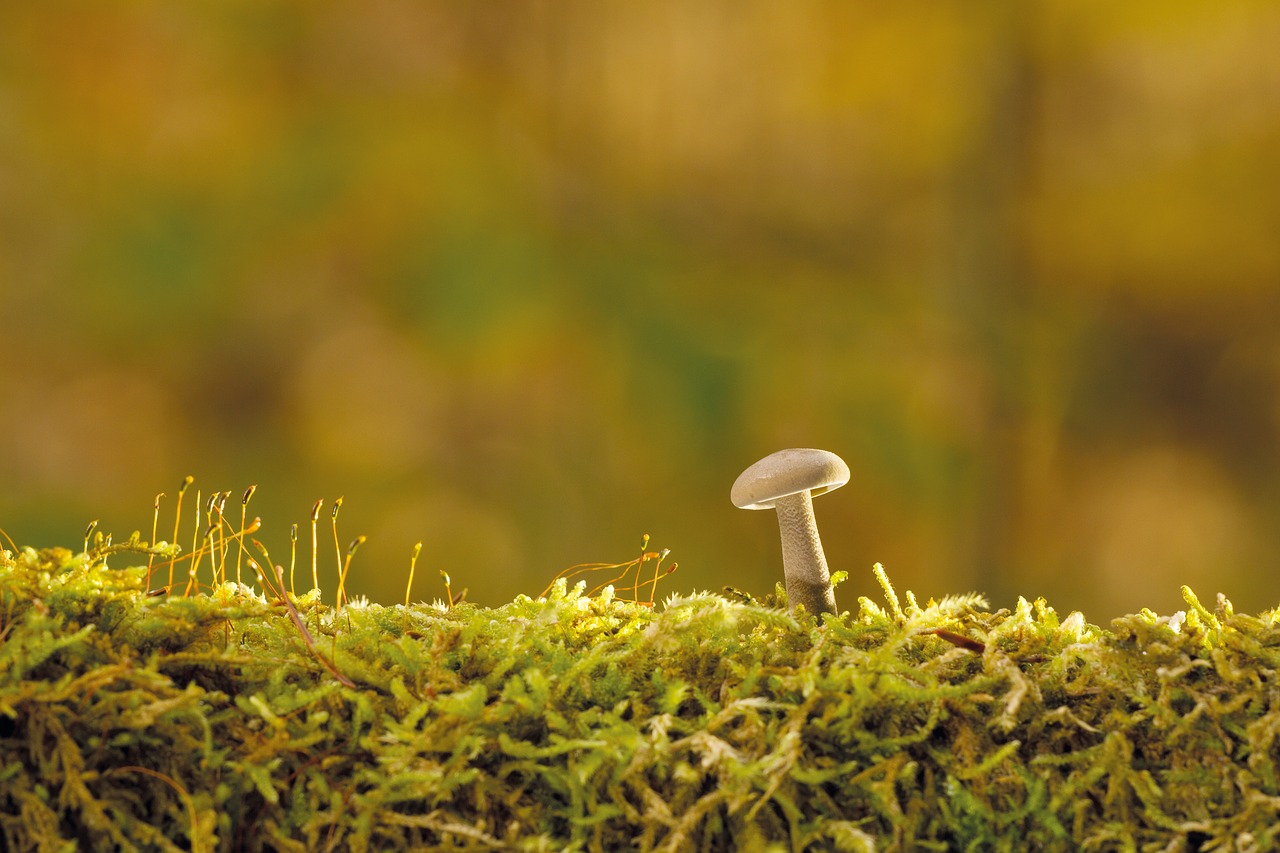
{"x": 221, "y": 721}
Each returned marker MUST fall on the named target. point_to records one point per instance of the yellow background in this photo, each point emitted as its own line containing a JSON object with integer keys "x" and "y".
{"x": 526, "y": 281}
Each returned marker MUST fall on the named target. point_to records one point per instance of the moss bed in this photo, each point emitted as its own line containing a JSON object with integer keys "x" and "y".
{"x": 230, "y": 720}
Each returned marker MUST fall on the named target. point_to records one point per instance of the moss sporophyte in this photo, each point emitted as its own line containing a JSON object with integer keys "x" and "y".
{"x": 163, "y": 702}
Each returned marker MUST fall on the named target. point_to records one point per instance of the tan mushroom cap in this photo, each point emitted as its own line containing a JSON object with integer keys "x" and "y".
{"x": 788, "y": 472}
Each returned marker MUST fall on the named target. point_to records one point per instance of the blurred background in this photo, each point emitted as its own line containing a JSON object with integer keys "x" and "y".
{"x": 526, "y": 281}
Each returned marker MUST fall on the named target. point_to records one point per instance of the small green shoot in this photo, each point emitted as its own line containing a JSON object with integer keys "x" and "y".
{"x": 315, "y": 543}
{"x": 408, "y": 587}
{"x": 890, "y": 596}
{"x": 1205, "y": 616}
{"x": 293, "y": 555}
{"x": 448, "y": 588}
{"x": 177, "y": 520}
{"x": 244, "y": 509}
{"x": 337, "y": 548}
{"x": 88, "y": 534}
{"x": 155, "y": 526}
{"x": 341, "y": 598}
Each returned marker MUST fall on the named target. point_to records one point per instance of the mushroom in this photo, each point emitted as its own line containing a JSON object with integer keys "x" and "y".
{"x": 786, "y": 481}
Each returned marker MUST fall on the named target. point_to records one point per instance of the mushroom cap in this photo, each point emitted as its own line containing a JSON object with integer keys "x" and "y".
{"x": 788, "y": 472}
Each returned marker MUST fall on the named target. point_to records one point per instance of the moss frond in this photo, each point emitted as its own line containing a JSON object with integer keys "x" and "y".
{"x": 238, "y": 720}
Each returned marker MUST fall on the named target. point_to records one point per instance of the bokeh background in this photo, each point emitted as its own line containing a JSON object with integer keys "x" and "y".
{"x": 526, "y": 281}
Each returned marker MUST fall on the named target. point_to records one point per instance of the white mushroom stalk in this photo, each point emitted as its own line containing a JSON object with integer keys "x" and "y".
{"x": 786, "y": 482}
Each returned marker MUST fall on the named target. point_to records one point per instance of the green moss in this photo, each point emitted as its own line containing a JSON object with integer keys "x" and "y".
{"x": 130, "y": 720}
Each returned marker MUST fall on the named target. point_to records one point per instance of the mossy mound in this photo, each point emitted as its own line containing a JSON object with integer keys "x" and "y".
{"x": 130, "y": 720}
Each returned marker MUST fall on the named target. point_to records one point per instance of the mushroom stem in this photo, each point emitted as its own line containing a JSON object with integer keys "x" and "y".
{"x": 803, "y": 563}
{"x": 787, "y": 482}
